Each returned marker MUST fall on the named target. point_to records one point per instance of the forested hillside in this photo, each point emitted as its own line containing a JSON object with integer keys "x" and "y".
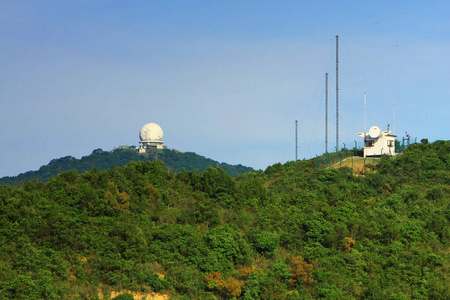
{"x": 103, "y": 160}
{"x": 290, "y": 232}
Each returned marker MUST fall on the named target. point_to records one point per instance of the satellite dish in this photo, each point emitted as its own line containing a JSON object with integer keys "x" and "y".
{"x": 374, "y": 132}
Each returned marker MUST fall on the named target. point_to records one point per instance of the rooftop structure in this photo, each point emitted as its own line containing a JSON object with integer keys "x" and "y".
{"x": 378, "y": 142}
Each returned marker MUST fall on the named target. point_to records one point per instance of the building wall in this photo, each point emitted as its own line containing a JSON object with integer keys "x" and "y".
{"x": 385, "y": 144}
{"x": 148, "y": 145}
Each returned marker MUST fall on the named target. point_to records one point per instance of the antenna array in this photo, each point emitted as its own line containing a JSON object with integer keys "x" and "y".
{"x": 337, "y": 93}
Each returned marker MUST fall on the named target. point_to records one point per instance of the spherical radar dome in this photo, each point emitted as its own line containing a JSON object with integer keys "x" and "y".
{"x": 151, "y": 132}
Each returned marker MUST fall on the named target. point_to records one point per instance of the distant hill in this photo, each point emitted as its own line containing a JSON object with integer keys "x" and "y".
{"x": 103, "y": 160}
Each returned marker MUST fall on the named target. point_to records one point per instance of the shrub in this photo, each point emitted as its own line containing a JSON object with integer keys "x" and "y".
{"x": 266, "y": 242}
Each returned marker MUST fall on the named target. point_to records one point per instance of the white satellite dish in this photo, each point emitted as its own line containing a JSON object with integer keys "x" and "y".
{"x": 374, "y": 132}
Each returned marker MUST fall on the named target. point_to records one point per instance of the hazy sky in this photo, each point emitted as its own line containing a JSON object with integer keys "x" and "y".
{"x": 224, "y": 79}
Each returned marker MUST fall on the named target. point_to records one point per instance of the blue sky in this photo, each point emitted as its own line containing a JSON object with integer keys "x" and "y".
{"x": 224, "y": 79}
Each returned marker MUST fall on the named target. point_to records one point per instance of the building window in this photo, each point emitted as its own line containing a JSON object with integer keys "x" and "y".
{"x": 369, "y": 143}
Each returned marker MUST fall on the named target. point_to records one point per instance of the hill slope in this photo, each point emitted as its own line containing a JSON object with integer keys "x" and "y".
{"x": 103, "y": 160}
{"x": 290, "y": 232}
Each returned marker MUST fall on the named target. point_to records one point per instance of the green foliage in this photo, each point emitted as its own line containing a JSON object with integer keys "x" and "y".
{"x": 216, "y": 183}
{"x": 104, "y": 160}
{"x": 227, "y": 245}
{"x": 290, "y": 232}
{"x": 266, "y": 242}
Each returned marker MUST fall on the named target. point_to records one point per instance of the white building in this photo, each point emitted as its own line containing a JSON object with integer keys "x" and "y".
{"x": 377, "y": 142}
{"x": 151, "y": 136}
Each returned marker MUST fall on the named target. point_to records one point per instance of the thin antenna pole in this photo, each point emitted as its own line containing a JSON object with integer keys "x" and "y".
{"x": 337, "y": 93}
{"x": 394, "y": 115}
{"x": 365, "y": 113}
{"x": 326, "y": 112}
{"x": 296, "y": 140}
{"x": 365, "y": 124}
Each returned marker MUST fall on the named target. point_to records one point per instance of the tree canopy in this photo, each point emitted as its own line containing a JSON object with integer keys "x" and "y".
{"x": 293, "y": 231}
{"x": 103, "y": 160}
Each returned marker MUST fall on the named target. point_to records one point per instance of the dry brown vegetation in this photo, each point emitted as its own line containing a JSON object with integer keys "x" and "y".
{"x": 356, "y": 163}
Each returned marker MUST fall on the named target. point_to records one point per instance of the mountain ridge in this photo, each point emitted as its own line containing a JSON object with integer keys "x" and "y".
{"x": 102, "y": 160}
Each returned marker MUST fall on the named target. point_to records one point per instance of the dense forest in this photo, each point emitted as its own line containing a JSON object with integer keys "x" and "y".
{"x": 293, "y": 231}
{"x": 103, "y": 160}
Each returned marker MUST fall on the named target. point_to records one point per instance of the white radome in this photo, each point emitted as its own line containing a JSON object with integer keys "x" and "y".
{"x": 151, "y": 132}
{"x": 374, "y": 132}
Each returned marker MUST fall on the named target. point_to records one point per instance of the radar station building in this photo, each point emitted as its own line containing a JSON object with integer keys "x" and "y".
{"x": 151, "y": 136}
{"x": 377, "y": 142}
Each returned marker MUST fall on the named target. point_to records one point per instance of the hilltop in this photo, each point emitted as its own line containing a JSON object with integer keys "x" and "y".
{"x": 103, "y": 160}
{"x": 293, "y": 231}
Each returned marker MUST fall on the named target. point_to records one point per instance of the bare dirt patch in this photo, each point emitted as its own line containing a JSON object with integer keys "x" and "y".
{"x": 136, "y": 295}
{"x": 139, "y": 295}
{"x": 357, "y": 163}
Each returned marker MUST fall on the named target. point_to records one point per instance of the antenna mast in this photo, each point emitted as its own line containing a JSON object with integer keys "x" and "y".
{"x": 394, "y": 114}
{"x": 365, "y": 124}
{"x": 326, "y": 112}
{"x": 337, "y": 93}
{"x": 296, "y": 140}
{"x": 365, "y": 114}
